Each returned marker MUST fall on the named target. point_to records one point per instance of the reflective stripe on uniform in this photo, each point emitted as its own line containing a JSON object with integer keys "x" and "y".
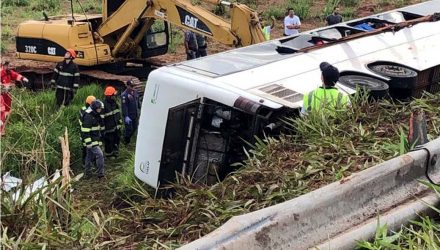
{"x": 87, "y": 140}
{"x": 65, "y": 73}
{"x": 65, "y": 88}
{"x": 114, "y": 112}
{"x": 85, "y": 130}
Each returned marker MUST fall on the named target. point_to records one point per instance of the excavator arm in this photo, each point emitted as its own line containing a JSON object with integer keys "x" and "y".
{"x": 243, "y": 29}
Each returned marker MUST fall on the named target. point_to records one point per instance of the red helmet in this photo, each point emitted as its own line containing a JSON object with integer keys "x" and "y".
{"x": 72, "y": 53}
{"x": 109, "y": 91}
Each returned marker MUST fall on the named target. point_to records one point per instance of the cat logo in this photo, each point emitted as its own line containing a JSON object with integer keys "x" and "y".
{"x": 191, "y": 21}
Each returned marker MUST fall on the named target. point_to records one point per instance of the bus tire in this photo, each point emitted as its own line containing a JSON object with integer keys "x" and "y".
{"x": 376, "y": 88}
{"x": 401, "y": 77}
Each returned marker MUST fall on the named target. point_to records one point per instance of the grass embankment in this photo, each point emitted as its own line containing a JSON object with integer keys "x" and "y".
{"x": 319, "y": 152}
{"x": 31, "y": 144}
{"x": 120, "y": 211}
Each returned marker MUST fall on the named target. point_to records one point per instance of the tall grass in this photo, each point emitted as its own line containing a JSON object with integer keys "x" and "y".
{"x": 31, "y": 143}
{"x": 329, "y": 7}
{"x": 48, "y": 218}
{"x": 317, "y": 151}
{"x": 301, "y": 7}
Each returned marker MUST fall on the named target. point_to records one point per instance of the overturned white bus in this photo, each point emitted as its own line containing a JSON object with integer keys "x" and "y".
{"x": 197, "y": 114}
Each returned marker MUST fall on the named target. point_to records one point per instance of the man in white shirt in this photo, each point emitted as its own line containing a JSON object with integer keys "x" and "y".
{"x": 291, "y": 24}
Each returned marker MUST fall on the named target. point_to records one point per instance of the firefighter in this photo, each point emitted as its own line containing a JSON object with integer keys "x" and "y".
{"x": 326, "y": 96}
{"x": 7, "y": 77}
{"x": 112, "y": 123}
{"x": 91, "y": 134}
{"x": 66, "y": 78}
{"x": 130, "y": 110}
{"x": 88, "y": 102}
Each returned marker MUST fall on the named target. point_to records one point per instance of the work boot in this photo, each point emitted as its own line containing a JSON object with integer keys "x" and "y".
{"x": 87, "y": 176}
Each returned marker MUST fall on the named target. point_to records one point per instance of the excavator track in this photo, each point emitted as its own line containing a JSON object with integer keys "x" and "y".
{"x": 40, "y": 73}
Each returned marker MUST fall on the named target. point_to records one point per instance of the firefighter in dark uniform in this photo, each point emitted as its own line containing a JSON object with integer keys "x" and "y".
{"x": 130, "y": 110}
{"x": 91, "y": 134}
{"x": 66, "y": 78}
{"x": 88, "y": 102}
{"x": 112, "y": 123}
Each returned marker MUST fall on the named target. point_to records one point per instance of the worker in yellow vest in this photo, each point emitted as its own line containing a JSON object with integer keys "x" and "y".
{"x": 327, "y": 96}
{"x": 267, "y": 27}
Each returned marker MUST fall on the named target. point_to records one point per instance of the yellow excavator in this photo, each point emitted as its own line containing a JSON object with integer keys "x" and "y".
{"x": 132, "y": 30}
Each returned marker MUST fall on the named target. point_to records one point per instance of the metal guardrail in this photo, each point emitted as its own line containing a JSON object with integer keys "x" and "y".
{"x": 335, "y": 216}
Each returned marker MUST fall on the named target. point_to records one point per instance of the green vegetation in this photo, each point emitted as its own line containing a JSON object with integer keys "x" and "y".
{"x": 401, "y": 3}
{"x": 275, "y": 11}
{"x": 123, "y": 211}
{"x": 87, "y": 6}
{"x": 350, "y": 3}
{"x": 31, "y": 144}
{"x": 348, "y": 13}
{"x": 176, "y": 39}
{"x": 423, "y": 234}
{"x": 301, "y": 7}
{"x": 329, "y": 7}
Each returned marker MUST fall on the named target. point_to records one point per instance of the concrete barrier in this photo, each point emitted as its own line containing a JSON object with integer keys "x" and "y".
{"x": 348, "y": 207}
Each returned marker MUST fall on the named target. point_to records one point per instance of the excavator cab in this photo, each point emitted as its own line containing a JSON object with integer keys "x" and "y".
{"x": 156, "y": 40}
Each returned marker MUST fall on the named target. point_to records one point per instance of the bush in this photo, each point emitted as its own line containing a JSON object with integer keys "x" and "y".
{"x": 15, "y": 3}
{"x": 301, "y": 7}
{"x": 40, "y": 5}
{"x": 89, "y": 6}
{"x": 31, "y": 143}
{"x": 329, "y": 7}
{"x": 350, "y": 3}
{"x": 275, "y": 11}
{"x": 348, "y": 13}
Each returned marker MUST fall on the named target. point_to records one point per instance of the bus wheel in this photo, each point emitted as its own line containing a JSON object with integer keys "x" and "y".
{"x": 376, "y": 88}
{"x": 401, "y": 77}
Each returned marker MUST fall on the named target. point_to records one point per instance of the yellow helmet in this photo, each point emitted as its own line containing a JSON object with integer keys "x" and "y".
{"x": 90, "y": 99}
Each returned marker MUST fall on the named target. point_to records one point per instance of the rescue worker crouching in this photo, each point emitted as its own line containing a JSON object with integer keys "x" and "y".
{"x": 88, "y": 102}
{"x": 91, "y": 134}
{"x": 130, "y": 110}
{"x": 327, "y": 96}
{"x": 66, "y": 77}
{"x": 112, "y": 123}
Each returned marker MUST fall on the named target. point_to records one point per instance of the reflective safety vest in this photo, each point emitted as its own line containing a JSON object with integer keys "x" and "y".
{"x": 324, "y": 98}
{"x": 266, "y": 32}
